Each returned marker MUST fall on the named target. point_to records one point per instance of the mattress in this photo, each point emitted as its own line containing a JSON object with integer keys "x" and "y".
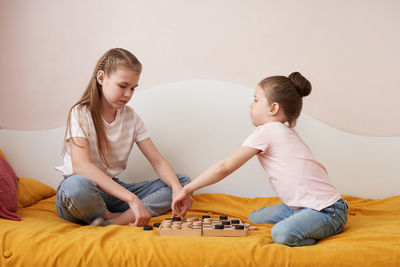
{"x": 370, "y": 238}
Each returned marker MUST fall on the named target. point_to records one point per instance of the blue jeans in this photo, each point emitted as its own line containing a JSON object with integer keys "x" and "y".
{"x": 302, "y": 227}
{"x": 79, "y": 200}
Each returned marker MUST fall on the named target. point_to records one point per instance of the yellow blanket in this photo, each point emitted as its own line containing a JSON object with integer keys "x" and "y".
{"x": 41, "y": 238}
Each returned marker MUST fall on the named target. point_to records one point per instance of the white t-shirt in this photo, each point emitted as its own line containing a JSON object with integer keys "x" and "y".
{"x": 296, "y": 177}
{"x": 122, "y": 133}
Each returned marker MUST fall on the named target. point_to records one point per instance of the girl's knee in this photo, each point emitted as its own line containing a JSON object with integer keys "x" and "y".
{"x": 283, "y": 235}
{"x": 78, "y": 199}
{"x": 183, "y": 179}
{"x": 76, "y": 186}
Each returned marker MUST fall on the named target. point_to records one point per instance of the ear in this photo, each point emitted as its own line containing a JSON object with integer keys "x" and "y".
{"x": 274, "y": 109}
{"x": 100, "y": 77}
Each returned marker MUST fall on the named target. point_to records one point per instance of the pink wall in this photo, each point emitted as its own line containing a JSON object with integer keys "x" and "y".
{"x": 348, "y": 49}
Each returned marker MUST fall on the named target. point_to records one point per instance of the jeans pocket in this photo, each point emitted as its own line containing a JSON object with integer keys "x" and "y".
{"x": 336, "y": 222}
{"x": 343, "y": 211}
{"x": 341, "y": 218}
{"x": 338, "y": 215}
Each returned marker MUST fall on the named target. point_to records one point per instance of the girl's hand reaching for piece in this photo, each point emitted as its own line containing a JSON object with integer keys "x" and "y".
{"x": 181, "y": 203}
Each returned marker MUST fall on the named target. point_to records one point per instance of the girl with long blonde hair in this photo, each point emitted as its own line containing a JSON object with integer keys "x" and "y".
{"x": 101, "y": 131}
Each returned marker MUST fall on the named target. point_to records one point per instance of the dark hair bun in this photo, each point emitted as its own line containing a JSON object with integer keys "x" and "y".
{"x": 302, "y": 85}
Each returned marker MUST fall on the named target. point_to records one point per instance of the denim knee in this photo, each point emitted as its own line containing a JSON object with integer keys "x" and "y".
{"x": 76, "y": 187}
{"x": 183, "y": 179}
{"x": 80, "y": 199}
{"x": 282, "y": 235}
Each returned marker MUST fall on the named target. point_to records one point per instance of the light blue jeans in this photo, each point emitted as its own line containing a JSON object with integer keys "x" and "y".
{"x": 302, "y": 227}
{"x": 79, "y": 200}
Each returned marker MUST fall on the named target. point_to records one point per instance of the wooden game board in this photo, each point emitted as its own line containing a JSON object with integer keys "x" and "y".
{"x": 194, "y": 226}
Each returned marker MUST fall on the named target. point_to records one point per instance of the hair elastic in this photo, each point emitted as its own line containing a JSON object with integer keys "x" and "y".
{"x": 95, "y": 77}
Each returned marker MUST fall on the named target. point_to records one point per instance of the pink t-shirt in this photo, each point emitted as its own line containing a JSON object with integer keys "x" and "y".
{"x": 297, "y": 178}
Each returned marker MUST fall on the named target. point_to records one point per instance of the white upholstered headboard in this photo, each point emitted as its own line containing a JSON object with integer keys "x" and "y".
{"x": 196, "y": 123}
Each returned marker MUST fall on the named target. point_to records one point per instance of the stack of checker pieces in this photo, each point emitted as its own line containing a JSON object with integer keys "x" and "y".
{"x": 207, "y": 226}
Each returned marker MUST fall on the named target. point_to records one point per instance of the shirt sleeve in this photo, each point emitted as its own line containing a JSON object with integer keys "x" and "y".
{"x": 141, "y": 131}
{"x": 78, "y": 123}
{"x": 258, "y": 139}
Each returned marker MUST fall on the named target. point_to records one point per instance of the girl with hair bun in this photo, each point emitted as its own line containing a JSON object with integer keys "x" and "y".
{"x": 311, "y": 207}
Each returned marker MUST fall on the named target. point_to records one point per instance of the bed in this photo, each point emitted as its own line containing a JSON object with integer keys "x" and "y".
{"x": 42, "y": 238}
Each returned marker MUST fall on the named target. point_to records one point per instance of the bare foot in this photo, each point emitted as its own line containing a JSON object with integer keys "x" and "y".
{"x": 123, "y": 218}
{"x": 110, "y": 215}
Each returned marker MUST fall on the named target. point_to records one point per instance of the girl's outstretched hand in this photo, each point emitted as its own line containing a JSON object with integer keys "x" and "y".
{"x": 181, "y": 203}
{"x": 142, "y": 215}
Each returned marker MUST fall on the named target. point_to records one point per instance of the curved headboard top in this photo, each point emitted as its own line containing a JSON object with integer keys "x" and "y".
{"x": 194, "y": 124}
